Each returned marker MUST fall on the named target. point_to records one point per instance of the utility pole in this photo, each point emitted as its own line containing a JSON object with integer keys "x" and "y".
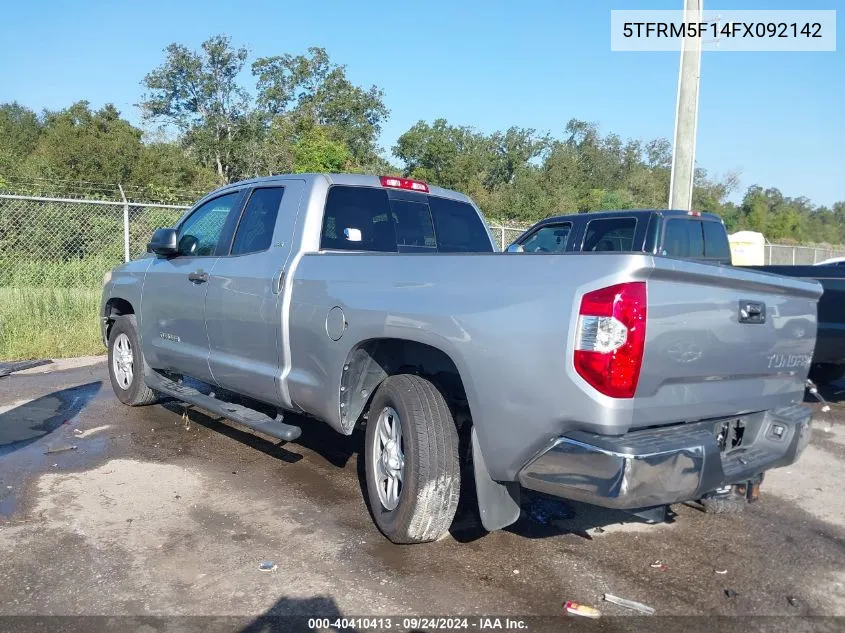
{"x": 686, "y": 114}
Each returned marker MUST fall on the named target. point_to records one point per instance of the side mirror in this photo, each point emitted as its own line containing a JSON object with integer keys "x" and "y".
{"x": 163, "y": 243}
{"x": 515, "y": 248}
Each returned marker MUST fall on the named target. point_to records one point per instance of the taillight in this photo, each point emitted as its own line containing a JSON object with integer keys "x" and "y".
{"x": 610, "y": 340}
{"x": 403, "y": 183}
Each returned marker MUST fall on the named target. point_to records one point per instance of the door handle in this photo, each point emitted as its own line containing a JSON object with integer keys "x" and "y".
{"x": 752, "y": 312}
{"x": 198, "y": 277}
{"x": 278, "y": 282}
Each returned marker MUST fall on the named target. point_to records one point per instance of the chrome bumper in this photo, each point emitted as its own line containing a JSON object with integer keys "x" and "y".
{"x": 660, "y": 466}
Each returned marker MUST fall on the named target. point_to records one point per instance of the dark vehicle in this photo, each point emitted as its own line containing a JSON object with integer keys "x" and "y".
{"x": 681, "y": 234}
{"x": 829, "y": 354}
{"x": 703, "y": 237}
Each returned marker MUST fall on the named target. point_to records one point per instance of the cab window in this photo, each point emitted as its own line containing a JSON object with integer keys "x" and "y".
{"x": 610, "y": 235}
{"x": 200, "y": 232}
{"x": 549, "y": 239}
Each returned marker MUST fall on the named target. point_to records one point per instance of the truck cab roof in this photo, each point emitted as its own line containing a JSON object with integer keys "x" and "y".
{"x": 635, "y": 213}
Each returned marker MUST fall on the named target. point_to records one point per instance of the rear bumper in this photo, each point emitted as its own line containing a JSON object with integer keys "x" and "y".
{"x": 665, "y": 465}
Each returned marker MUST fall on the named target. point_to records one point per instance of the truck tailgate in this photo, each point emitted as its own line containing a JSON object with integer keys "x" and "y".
{"x": 722, "y": 341}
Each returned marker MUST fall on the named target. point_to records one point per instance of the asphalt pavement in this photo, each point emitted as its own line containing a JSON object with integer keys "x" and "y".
{"x": 159, "y": 511}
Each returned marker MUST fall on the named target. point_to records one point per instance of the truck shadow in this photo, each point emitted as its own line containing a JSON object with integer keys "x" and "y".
{"x": 33, "y": 420}
{"x": 542, "y": 516}
{"x": 296, "y": 614}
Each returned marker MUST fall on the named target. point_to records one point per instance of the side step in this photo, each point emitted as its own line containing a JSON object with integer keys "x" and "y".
{"x": 251, "y": 418}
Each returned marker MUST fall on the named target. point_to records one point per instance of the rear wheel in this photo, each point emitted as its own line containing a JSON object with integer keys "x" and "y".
{"x": 411, "y": 460}
{"x": 126, "y": 363}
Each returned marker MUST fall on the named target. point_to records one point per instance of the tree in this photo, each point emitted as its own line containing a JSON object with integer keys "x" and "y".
{"x": 199, "y": 93}
{"x": 82, "y": 145}
{"x": 310, "y": 91}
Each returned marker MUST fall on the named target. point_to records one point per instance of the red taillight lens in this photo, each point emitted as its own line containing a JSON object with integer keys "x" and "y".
{"x": 403, "y": 183}
{"x": 610, "y": 340}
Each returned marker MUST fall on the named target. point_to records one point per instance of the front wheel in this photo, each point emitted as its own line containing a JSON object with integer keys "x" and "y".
{"x": 126, "y": 363}
{"x": 411, "y": 459}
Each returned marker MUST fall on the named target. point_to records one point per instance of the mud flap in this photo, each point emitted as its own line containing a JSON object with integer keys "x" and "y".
{"x": 498, "y": 503}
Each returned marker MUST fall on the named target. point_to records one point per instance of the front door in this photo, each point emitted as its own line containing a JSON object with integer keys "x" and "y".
{"x": 244, "y": 313}
{"x": 172, "y": 322}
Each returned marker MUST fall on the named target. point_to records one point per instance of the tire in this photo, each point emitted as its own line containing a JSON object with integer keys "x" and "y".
{"x": 431, "y": 476}
{"x": 826, "y": 373}
{"x": 128, "y": 386}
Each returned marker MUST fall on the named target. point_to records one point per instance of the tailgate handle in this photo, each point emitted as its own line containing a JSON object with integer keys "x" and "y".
{"x": 752, "y": 311}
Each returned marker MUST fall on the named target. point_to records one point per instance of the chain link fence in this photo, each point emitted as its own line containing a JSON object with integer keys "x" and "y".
{"x": 505, "y": 235}
{"x": 785, "y": 255}
{"x": 65, "y": 243}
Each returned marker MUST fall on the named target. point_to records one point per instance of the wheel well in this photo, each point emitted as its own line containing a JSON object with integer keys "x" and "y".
{"x": 114, "y": 308}
{"x": 370, "y": 362}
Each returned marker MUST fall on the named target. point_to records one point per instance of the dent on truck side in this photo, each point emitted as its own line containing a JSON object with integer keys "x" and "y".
{"x": 123, "y": 293}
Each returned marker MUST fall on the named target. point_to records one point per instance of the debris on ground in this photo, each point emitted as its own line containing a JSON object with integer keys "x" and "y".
{"x": 730, "y": 593}
{"x": 548, "y": 511}
{"x": 267, "y": 565}
{"x": 628, "y": 604}
{"x": 516, "y": 571}
{"x": 659, "y": 564}
{"x": 792, "y": 600}
{"x": 721, "y": 572}
{"x": 60, "y": 449}
{"x": 599, "y": 530}
{"x": 576, "y": 608}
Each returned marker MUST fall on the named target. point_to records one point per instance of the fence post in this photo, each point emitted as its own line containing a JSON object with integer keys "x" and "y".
{"x": 502, "y": 228}
{"x": 793, "y": 256}
{"x": 125, "y": 224}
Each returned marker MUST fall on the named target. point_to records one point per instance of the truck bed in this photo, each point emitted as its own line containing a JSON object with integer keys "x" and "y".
{"x": 509, "y": 324}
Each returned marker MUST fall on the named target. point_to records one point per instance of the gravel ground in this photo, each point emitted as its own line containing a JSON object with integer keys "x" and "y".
{"x": 150, "y": 515}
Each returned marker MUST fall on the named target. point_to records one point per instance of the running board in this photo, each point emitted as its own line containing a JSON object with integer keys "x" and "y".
{"x": 250, "y": 418}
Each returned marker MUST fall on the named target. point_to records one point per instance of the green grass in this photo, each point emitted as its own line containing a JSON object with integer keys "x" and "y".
{"x": 39, "y": 322}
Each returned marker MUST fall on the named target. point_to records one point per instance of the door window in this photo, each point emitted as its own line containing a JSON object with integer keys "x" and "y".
{"x": 255, "y": 229}
{"x": 610, "y": 234}
{"x": 199, "y": 234}
{"x": 549, "y": 239}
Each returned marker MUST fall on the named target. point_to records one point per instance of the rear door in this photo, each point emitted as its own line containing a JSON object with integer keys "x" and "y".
{"x": 244, "y": 314}
{"x": 172, "y": 313}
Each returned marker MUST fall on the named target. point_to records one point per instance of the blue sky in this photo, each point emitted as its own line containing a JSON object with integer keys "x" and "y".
{"x": 777, "y": 118}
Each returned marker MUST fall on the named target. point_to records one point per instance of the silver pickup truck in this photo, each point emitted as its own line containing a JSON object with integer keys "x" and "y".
{"x": 623, "y": 380}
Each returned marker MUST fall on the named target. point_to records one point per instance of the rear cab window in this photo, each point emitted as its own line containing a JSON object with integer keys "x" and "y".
{"x": 360, "y": 218}
{"x": 696, "y": 239}
{"x": 716, "y": 245}
{"x": 610, "y": 235}
{"x": 683, "y": 239}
